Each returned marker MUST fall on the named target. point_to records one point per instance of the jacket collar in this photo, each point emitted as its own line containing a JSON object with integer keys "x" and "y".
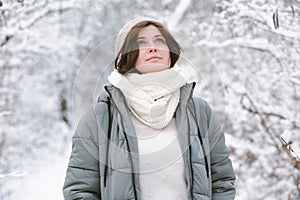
{"x": 118, "y": 100}
{"x": 118, "y": 97}
{"x": 186, "y": 92}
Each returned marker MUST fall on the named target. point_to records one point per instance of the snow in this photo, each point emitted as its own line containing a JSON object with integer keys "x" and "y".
{"x": 248, "y": 69}
{"x": 292, "y": 140}
{"x": 45, "y": 182}
{"x": 178, "y": 13}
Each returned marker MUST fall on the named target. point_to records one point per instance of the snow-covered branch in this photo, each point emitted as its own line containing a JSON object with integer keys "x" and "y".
{"x": 177, "y": 15}
{"x": 14, "y": 175}
{"x": 46, "y": 11}
{"x": 255, "y": 110}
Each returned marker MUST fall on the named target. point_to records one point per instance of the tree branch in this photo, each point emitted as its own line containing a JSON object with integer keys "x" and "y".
{"x": 254, "y": 111}
{"x": 7, "y": 38}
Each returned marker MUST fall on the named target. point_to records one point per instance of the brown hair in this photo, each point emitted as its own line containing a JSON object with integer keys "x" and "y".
{"x": 128, "y": 54}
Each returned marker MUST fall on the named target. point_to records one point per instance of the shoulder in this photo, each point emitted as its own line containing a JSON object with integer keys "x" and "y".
{"x": 88, "y": 125}
{"x": 202, "y": 105}
{"x": 95, "y": 110}
{"x": 204, "y": 110}
{"x": 100, "y": 108}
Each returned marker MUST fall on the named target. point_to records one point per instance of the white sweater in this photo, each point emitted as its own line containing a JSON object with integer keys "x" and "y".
{"x": 161, "y": 162}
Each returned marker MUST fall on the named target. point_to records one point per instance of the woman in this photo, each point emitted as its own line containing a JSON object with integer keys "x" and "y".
{"x": 147, "y": 137}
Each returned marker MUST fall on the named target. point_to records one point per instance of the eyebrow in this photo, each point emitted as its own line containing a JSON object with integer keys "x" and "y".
{"x": 143, "y": 37}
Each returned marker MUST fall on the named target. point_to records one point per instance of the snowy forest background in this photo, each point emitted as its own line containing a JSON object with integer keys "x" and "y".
{"x": 50, "y": 73}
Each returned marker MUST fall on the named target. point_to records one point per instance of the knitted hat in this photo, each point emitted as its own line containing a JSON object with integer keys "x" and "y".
{"x": 126, "y": 28}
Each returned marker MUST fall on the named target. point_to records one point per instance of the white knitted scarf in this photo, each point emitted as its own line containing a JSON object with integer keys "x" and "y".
{"x": 152, "y": 97}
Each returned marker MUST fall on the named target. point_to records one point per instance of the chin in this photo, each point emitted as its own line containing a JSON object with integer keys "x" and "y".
{"x": 152, "y": 67}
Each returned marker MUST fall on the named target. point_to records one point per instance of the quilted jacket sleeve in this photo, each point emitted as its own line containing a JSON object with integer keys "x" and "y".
{"x": 82, "y": 177}
{"x": 222, "y": 173}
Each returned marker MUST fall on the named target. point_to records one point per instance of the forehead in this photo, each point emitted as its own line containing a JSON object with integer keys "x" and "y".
{"x": 149, "y": 31}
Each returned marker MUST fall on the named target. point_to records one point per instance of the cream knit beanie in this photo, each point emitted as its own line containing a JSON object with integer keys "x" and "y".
{"x": 126, "y": 28}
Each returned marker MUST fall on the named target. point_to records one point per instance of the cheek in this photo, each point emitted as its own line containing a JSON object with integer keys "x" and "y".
{"x": 137, "y": 62}
{"x": 166, "y": 53}
{"x": 168, "y": 57}
{"x": 141, "y": 57}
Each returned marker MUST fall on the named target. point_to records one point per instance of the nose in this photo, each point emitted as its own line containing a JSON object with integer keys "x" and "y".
{"x": 152, "y": 48}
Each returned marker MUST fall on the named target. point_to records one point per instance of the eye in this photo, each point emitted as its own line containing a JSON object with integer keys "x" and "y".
{"x": 160, "y": 41}
{"x": 141, "y": 43}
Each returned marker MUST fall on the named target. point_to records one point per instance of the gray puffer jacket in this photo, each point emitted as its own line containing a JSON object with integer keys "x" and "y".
{"x": 104, "y": 161}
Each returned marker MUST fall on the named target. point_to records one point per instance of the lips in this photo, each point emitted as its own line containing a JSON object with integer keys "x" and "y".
{"x": 153, "y": 58}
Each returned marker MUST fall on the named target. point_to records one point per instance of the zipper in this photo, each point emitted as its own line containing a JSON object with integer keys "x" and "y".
{"x": 108, "y": 143}
{"x": 201, "y": 141}
{"x": 190, "y": 146}
{"x": 200, "y": 138}
{"x": 126, "y": 139}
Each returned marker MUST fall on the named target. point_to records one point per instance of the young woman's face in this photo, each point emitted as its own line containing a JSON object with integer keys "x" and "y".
{"x": 154, "y": 54}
